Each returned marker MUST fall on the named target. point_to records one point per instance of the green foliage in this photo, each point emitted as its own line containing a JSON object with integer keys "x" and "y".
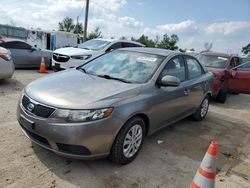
{"x": 78, "y": 28}
{"x": 95, "y": 34}
{"x": 66, "y": 25}
{"x": 246, "y": 49}
{"x": 146, "y": 41}
{"x": 169, "y": 42}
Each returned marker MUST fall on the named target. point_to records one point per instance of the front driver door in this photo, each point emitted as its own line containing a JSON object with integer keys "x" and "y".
{"x": 169, "y": 103}
{"x": 239, "y": 81}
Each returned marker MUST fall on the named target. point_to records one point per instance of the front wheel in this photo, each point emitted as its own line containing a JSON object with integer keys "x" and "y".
{"x": 201, "y": 112}
{"x": 128, "y": 141}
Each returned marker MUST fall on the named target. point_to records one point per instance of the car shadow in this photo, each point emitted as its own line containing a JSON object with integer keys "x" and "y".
{"x": 8, "y": 86}
{"x": 176, "y": 149}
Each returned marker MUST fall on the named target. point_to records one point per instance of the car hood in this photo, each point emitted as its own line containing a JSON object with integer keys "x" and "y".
{"x": 73, "y": 51}
{"x": 73, "y": 89}
{"x": 216, "y": 71}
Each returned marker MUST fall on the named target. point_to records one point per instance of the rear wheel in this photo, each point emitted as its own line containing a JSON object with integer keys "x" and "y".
{"x": 201, "y": 112}
{"x": 128, "y": 142}
{"x": 222, "y": 96}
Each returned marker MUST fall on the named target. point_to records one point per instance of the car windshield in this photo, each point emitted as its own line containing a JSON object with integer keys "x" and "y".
{"x": 212, "y": 61}
{"x": 129, "y": 66}
{"x": 94, "y": 44}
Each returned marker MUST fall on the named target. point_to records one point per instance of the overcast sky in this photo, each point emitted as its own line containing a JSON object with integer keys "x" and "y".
{"x": 225, "y": 23}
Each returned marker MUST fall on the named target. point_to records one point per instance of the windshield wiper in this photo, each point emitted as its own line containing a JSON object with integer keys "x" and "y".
{"x": 113, "y": 78}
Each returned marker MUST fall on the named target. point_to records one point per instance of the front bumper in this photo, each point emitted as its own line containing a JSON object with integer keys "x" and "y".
{"x": 88, "y": 140}
{"x": 71, "y": 63}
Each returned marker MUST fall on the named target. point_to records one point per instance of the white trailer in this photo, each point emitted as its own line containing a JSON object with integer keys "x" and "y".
{"x": 51, "y": 40}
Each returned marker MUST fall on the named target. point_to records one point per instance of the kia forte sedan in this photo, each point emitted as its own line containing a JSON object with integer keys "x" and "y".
{"x": 109, "y": 105}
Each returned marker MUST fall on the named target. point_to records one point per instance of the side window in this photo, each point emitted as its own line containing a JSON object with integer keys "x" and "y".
{"x": 114, "y": 46}
{"x": 137, "y": 45}
{"x": 175, "y": 67}
{"x": 245, "y": 66}
{"x": 17, "y": 45}
{"x": 22, "y": 45}
{"x": 127, "y": 45}
{"x": 6, "y": 45}
{"x": 194, "y": 68}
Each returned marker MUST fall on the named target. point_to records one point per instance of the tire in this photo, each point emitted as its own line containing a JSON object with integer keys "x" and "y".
{"x": 118, "y": 152}
{"x": 222, "y": 96}
{"x": 201, "y": 112}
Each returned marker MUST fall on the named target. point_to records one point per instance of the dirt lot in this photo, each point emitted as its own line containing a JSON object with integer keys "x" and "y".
{"x": 172, "y": 163}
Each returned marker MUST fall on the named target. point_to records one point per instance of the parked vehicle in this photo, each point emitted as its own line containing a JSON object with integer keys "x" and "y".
{"x": 6, "y": 64}
{"x": 25, "y": 55}
{"x": 70, "y": 57}
{"x": 239, "y": 82}
{"x": 220, "y": 65}
{"x": 107, "y": 106}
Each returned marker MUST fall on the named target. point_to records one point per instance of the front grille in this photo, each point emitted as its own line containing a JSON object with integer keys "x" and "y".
{"x": 38, "y": 109}
{"x": 60, "y": 58}
{"x": 36, "y": 137}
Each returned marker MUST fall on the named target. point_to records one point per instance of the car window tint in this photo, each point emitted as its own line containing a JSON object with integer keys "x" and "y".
{"x": 17, "y": 45}
{"x": 127, "y": 45}
{"x": 115, "y": 46}
{"x": 245, "y": 66}
{"x": 175, "y": 67}
{"x": 194, "y": 68}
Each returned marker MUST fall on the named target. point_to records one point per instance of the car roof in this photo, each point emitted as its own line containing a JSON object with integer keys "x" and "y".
{"x": 156, "y": 51}
{"x": 220, "y": 54}
{"x": 119, "y": 40}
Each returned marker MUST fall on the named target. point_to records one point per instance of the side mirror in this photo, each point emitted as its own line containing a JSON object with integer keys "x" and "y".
{"x": 32, "y": 49}
{"x": 109, "y": 50}
{"x": 169, "y": 81}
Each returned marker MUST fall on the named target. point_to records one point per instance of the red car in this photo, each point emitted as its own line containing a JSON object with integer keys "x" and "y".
{"x": 229, "y": 74}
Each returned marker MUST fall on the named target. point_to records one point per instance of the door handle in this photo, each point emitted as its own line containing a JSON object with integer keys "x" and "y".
{"x": 186, "y": 91}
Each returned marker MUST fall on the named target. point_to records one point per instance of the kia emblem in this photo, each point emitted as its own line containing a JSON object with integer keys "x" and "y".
{"x": 30, "y": 107}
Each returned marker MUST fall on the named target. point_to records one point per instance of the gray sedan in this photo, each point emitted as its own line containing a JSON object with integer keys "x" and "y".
{"x": 26, "y": 56}
{"x": 107, "y": 106}
{"x": 6, "y": 64}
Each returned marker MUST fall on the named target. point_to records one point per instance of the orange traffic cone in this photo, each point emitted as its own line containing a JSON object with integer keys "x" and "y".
{"x": 205, "y": 175}
{"x": 42, "y": 66}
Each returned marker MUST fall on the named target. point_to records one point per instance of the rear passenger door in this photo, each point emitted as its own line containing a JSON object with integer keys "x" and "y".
{"x": 196, "y": 82}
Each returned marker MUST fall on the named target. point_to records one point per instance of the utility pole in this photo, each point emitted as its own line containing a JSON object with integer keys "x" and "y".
{"x": 86, "y": 20}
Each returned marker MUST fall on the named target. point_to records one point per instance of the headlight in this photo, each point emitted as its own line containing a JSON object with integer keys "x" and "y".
{"x": 75, "y": 116}
{"x": 81, "y": 57}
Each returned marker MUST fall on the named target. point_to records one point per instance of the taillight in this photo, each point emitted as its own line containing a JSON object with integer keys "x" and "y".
{"x": 5, "y": 56}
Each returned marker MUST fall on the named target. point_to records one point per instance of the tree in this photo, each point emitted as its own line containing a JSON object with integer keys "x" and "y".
{"x": 78, "y": 28}
{"x": 66, "y": 25}
{"x": 246, "y": 49}
{"x": 146, "y": 41}
{"x": 169, "y": 42}
{"x": 95, "y": 34}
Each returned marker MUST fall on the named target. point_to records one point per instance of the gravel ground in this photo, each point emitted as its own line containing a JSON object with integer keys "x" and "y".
{"x": 168, "y": 158}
